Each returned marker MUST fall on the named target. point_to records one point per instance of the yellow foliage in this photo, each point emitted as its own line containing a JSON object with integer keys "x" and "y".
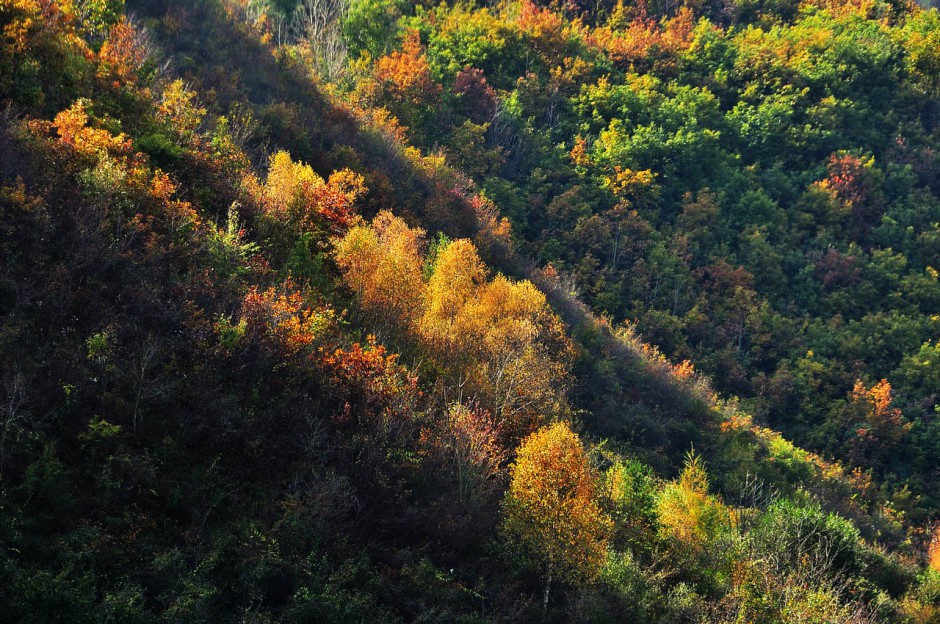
{"x": 179, "y": 110}
{"x": 508, "y": 348}
{"x": 293, "y": 190}
{"x": 458, "y": 275}
{"x": 688, "y": 515}
{"x": 497, "y": 341}
{"x": 551, "y": 507}
{"x": 382, "y": 263}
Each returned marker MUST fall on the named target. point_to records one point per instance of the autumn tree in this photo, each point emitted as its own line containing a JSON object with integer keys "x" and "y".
{"x": 458, "y": 274}
{"x": 280, "y": 319}
{"x": 477, "y": 97}
{"x": 466, "y": 442}
{"x": 123, "y": 53}
{"x": 406, "y": 84}
{"x": 880, "y": 427}
{"x": 294, "y": 192}
{"x": 690, "y": 519}
{"x": 551, "y": 507}
{"x": 180, "y": 111}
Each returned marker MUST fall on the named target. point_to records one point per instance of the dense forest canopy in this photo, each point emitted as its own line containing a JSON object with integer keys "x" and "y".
{"x": 393, "y": 310}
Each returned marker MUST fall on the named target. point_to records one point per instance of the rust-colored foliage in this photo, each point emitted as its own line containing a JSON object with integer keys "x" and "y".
{"x": 371, "y": 382}
{"x": 281, "y": 318}
{"x": 467, "y": 442}
{"x": 838, "y": 270}
{"x": 477, "y": 96}
{"x": 849, "y": 178}
{"x": 122, "y": 54}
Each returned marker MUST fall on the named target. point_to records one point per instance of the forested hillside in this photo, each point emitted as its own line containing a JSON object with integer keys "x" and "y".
{"x": 393, "y": 311}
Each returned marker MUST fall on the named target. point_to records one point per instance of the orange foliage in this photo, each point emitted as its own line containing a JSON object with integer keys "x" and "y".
{"x": 293, "y": 190}
{"x": 73, "y": 129}
{"x": 281, "y": 317}
{"x": 498, "y": 341}
{"x": 26, "y": 18}
{"x": 645, "y": 39}
{"x": 500, "y": 337}
{"x": 382, "y": 263}
{"x": 883, "y": 423}
{"x": 545, "y": 28}
{"x": 122, "y": 54}
{"x": 933, "y": 552}
{"x": 684, "y": 370}
{"x": 579, "y": 153}
{"x": 372, "y": 377}
{"x": 407, "y": 73}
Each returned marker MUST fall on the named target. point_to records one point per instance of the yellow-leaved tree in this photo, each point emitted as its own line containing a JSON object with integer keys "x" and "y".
{"x": 691, "y": 520}
{"x": 551, "y": 509}
{"x": 294, "y": 192}
{"x": 382, "y": 263}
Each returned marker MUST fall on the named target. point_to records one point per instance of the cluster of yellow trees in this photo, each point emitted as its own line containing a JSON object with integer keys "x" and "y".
{"x": 494, "y": 341}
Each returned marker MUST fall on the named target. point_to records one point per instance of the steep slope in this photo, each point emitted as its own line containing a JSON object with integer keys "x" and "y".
{"x": 194, "y": 429}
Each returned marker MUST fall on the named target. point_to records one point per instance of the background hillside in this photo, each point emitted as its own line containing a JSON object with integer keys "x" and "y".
{"x": 387, "y": 311}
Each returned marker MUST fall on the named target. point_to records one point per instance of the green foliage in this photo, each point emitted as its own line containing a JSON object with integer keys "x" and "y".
{"x": 371, "y": 26}
{"x": 99, "y": 15}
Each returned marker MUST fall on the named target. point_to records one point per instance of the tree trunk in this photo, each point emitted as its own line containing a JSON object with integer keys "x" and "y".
{"x": 548, "y": 587}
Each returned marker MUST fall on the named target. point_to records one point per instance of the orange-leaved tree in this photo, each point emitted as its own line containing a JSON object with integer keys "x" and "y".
{"x": 551, "y": 508}
{"x": 882, "y": 427}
